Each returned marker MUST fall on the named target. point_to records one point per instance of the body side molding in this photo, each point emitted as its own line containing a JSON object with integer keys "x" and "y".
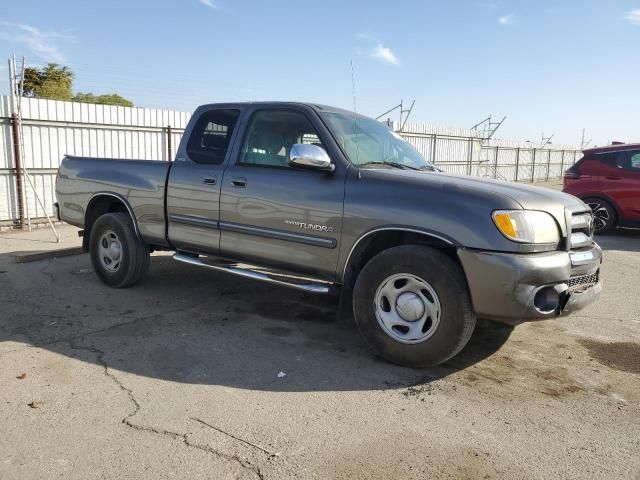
{"x": 280, "y": 235}
{"x": 194, "y": 221}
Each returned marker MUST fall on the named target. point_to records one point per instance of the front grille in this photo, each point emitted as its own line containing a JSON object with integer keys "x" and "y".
{"x": 581, "y": 230}
{"x": 582, "y": 282}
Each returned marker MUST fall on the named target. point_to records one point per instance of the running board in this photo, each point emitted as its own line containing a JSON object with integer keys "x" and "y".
{"x": 257, "y": 273}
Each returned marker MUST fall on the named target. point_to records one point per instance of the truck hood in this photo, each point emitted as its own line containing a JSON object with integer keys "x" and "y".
{"x": 527, "y": 196}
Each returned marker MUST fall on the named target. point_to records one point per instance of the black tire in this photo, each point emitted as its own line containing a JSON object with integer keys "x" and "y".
{"x": 444, "y": 276}
{"x": 604, "y": 214}
{"x": 133, "y": 261}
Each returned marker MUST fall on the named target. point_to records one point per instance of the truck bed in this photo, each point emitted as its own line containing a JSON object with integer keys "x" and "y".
{"x": 139, "y": 183}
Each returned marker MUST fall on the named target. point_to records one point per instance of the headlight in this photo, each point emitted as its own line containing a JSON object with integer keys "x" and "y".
{"x": 527, "y": 226}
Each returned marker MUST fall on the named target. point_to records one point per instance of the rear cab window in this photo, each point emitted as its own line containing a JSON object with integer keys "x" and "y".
{"x": 211, "y": 135}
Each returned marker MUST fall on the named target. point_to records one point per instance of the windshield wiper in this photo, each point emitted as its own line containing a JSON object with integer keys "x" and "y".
{"x": 401, "y": 166}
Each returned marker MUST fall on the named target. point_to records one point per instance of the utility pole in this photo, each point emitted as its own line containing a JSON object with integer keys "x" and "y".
{"x": 16, "y": 83}
{"x": 15, "y": 136}
{"x": 584, "y": 144}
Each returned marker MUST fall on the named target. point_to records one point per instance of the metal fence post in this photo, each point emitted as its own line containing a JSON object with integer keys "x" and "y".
{"x": 433, "y": 149}
{"x": 18, "y": 164}
{"x": 517, "y": 162}
{"x": 169, "y": 145}
{"x": 470, "y": 155}
{"x": 548, "y": 164}
{"x": 495, "y": 164}
{"x": 562, "y": 164}
{"x": 533, "y": 166}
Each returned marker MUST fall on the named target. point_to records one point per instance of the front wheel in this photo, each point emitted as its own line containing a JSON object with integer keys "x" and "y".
{"x": 119, "y": 257}
{"x": 411, "y": 304}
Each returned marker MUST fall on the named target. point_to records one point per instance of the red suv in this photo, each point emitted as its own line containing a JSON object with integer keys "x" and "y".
{"x": 608, "y": 180}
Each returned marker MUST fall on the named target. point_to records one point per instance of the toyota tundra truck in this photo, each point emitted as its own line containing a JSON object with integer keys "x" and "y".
{"x": 322, "y": 199}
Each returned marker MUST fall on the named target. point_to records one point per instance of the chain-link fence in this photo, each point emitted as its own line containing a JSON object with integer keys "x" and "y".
{"x": 463, "y": 152}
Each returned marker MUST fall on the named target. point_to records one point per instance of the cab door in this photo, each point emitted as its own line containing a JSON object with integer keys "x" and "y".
{"x": 193, "y": 187}
{"x": 279, "y": 215}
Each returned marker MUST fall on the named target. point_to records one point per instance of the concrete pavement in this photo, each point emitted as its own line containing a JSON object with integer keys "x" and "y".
{"x": 180, "y": 377}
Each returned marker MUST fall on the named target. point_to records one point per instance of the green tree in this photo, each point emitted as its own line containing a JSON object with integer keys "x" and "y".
{"x": 110, "y": 99}
{"x": 53, "y": 81}
{"x": 56, "y": 82}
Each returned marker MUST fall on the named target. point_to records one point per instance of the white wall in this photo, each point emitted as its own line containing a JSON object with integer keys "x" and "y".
{"x": 52, "y": 129}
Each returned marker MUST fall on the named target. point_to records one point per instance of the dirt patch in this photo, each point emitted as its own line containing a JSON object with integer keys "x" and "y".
{"x": 414, "y": 456}
{"x": 623, "y": 356}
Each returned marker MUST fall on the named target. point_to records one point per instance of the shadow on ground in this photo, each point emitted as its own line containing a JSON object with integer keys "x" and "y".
{"x": 188, "y": 325}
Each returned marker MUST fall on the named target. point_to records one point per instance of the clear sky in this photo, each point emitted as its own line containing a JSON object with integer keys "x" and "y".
{"x": 550, "y": 66}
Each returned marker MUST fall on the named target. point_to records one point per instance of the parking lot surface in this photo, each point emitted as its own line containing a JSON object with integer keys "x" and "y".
{"x": 195, "y": 374}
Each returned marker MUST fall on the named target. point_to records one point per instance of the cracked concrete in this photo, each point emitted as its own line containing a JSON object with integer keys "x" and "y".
{"x": 127, "y": 420}
{"x": 118, "y": 378}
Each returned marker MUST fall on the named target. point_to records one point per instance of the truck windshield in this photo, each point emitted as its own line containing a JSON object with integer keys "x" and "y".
{"x": 367, "y": 142}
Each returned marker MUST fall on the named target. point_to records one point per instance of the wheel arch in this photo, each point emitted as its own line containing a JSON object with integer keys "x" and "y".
{"x": 101, "y": 203}
{"x": 379, "y": 239}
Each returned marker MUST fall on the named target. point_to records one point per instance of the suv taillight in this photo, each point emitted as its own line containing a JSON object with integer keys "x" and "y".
{"x": 572, "y": 172}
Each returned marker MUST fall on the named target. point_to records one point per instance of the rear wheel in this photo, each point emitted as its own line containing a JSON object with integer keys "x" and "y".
{"x": 119, "y": 257}
{"x": 604, "y": 215}
{"x": 412, "y": 306}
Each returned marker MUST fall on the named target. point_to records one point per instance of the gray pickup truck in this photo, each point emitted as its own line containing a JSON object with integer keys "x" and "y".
{"x": 322, "y": 199}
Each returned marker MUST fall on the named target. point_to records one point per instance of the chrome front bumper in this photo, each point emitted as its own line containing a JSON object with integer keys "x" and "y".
{"x": 515, "y": 288}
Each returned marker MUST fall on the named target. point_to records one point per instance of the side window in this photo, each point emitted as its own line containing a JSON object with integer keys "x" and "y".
{"x": 211, "y": 135}
{"x": 629, "y": 161}
{"x": 270, "y": 135}
{"x": 611, "y": 160}
{"x": 622, "y": 160}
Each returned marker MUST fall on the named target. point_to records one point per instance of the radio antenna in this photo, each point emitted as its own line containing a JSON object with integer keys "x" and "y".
{"x": 353, "y": 87}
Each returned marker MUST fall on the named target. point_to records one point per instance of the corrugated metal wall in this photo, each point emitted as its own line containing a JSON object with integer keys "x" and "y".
{"x": 51, "y": 129}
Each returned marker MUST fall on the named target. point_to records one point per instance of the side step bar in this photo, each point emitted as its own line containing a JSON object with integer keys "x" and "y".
{"x": 257, "y": 273}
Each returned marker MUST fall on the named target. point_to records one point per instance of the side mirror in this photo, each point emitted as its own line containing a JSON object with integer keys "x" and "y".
{"x": 310, "y": 156}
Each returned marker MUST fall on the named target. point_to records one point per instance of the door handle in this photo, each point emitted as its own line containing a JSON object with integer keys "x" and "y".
{"x": 239, "y": 182}
{"x": 210, "y": 181}
{"x": 613, "y": 178}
